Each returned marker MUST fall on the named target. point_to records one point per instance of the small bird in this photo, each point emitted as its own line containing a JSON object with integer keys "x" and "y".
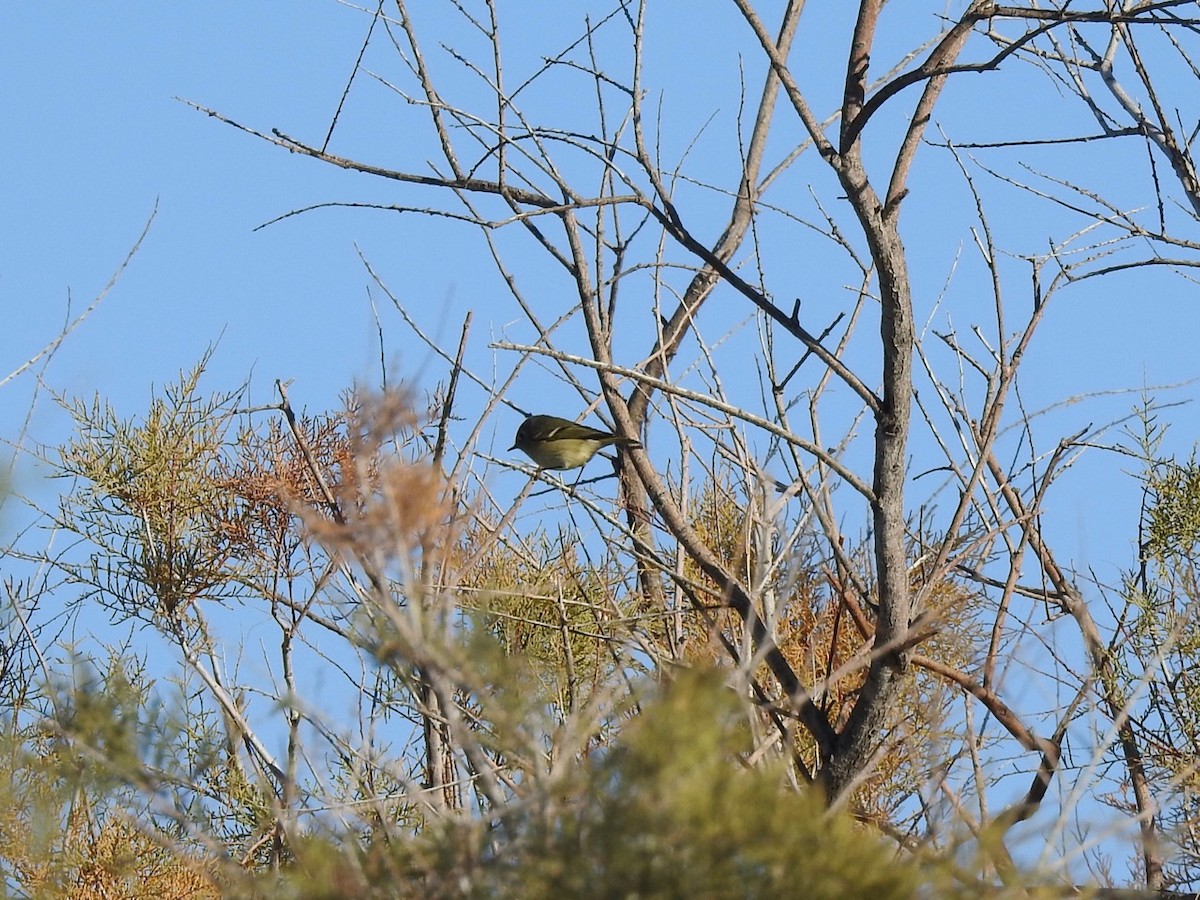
{"x": 555, "y": 443}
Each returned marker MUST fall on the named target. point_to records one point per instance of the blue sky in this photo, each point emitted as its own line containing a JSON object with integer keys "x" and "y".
{"x": 94, "y": 140}
{"x": 97, "y": 139}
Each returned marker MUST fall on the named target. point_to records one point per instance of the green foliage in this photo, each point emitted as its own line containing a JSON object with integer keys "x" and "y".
{"x": 671, "y": 813}
{"x": 1173, "y": 517}
{"x": 33, "y": 795}
{"x": 1162, "y": 646}
{"x": 100, "y": 715}
{"x": 603, "y": 784}
{"x": 553, "y": 611}
{"x": 72, "y": 787}
{"x": 673, "y": 810}
{"x": 150, "y": 500}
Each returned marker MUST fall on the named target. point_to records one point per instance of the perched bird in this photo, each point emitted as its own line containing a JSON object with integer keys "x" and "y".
{"x": 555, "y": 443}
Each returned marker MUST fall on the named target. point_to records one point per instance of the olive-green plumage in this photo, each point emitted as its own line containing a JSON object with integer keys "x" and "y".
{"x": 555, "y": 443}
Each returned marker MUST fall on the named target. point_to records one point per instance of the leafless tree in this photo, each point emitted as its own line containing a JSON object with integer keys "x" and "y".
{"x": 917, "y": 478}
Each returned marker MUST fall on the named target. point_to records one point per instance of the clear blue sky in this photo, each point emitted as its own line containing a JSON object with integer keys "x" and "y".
{"x": 94, "y": 139}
